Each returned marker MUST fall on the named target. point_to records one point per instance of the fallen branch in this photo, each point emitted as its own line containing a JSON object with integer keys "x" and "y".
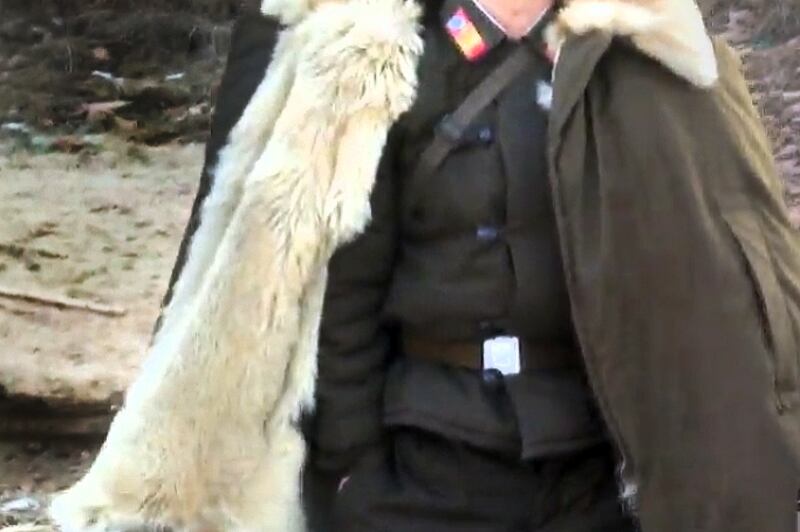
{"x": 61, "y": 302}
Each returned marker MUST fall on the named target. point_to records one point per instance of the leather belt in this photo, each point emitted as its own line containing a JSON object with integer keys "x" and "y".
{"x": 469, "y": 354}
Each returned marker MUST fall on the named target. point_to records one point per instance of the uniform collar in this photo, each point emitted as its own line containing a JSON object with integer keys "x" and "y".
{"x": 475, "y": 33}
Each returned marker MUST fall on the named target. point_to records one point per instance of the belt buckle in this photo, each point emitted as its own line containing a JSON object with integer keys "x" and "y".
{"x": 502, "y": 353}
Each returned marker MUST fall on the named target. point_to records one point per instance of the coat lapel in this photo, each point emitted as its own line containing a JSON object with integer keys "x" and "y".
{"x": 576, "y": 63}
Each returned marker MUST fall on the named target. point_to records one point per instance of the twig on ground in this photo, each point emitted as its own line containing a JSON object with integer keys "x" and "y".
{"x": 62, "y": 302}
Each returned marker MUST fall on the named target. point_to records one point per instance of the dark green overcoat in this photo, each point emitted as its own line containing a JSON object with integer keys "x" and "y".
{"x": 684, "y": 277}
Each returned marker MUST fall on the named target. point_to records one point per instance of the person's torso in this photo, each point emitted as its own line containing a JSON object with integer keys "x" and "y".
{"x": 479, "y": 256}
{"x": 479, "y": 252}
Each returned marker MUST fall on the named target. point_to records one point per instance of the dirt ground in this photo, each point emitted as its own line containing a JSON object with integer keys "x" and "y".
{"x": 102, "y": 228}
{"x": 31, "y": 471}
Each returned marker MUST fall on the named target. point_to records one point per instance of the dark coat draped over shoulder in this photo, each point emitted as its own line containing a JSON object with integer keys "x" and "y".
{"x": 684, "y": 277}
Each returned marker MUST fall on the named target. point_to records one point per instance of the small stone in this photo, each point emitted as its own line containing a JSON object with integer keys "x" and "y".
{"x": 23, "y": 504}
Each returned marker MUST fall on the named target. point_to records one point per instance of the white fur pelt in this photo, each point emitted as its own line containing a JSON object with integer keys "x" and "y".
{"x": 207, "y": 438}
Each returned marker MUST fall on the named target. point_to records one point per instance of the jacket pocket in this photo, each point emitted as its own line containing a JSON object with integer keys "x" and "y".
{"x": 776, "y": 320}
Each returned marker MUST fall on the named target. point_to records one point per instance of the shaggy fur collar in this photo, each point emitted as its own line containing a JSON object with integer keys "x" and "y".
{"x": 670, "y": 31}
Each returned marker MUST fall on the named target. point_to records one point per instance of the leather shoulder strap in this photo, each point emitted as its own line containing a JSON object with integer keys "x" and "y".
{"x": 453, "y": 126}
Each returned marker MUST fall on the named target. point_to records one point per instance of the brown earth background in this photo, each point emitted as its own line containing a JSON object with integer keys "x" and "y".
{"x": 104, "y": 105}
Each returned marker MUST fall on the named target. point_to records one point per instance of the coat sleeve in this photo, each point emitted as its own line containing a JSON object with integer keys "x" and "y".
{"x": 354, "y": 341}
{"x": 252, "y": 43}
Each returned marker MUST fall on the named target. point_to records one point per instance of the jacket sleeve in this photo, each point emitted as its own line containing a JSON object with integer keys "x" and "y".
{"x": 252, "y": 44}
{"x": 354, "y": 341}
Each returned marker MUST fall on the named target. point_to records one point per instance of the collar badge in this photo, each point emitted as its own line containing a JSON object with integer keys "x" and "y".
{"x": 466, "y": 35}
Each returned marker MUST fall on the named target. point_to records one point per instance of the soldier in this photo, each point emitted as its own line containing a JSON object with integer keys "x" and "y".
{"x": 575, "y": 308}
{"x": 452, "y": 395}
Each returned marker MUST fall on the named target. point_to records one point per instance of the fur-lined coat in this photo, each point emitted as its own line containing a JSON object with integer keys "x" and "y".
{"x": 682, "y": 268}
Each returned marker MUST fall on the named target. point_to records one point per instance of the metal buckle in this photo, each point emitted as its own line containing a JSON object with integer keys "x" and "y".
{"x": 502, "y": 353}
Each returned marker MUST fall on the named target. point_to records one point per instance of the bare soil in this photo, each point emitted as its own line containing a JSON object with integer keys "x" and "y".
{"x": 102, "y": 228}
{"x": 34, "y": 469}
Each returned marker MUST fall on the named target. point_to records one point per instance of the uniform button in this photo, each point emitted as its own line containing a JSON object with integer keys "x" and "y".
{"x": 485, "y": 134}
{"x": 488, "y": 233}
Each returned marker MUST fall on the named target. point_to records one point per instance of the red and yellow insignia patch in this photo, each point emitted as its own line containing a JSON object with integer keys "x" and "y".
{"x": 466, "y": 35}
